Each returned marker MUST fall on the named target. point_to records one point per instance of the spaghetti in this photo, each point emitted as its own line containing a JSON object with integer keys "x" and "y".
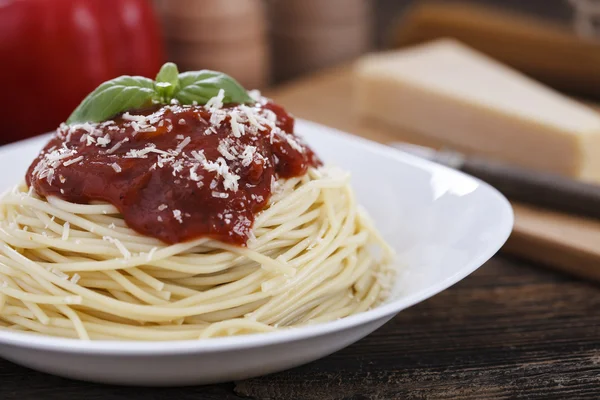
{"x": 78, "y": 271}
{"x": 184, "y": 222}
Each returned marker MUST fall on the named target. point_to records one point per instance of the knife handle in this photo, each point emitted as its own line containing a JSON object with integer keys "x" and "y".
{"x": 535, "y": 187}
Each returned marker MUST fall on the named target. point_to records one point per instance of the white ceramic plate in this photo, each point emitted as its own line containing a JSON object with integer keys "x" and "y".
{"x": 443, "y": 224}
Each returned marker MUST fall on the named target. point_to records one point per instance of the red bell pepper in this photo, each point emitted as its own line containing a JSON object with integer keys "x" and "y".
{"x": 54, "y": 52}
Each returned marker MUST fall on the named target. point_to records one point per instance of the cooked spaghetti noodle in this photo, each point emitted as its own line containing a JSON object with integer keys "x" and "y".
{"x": 182, "y": 221}
{"x": 78, "y": 271}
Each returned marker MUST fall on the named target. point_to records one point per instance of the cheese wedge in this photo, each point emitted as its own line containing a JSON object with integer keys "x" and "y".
{"x": 463, "y": 98}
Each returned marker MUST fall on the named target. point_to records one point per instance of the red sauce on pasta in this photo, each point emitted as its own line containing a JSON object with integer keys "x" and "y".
{"x": 174, "y": 172}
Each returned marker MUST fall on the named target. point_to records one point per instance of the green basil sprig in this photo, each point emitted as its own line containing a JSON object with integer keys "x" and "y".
{"x": 167, "y": 81}
{"x": 114, "y": 96}
{"x": 130, "y": 92}
{"x": 201, "y": 86}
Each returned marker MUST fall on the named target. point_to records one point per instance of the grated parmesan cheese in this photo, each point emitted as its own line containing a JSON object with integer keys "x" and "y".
{"x": 224, "y": 149}
{"x": 116, "y": 167}
{"x": 293, "y": 143}
{"x": 72, "y": 161}
{"x": 103, "y": 141}
{"x": 117, "y": 146}
{"x": 199, "y": 155}
{"x": 182, "y": 145}
{"x": 230, "y": 180}
{"x": 75, "y": 278}
{"x": 255, "y": 95}
{"x": 248, "y": 155}
{"x": 51, "y": 221}
{"x": 126, "y": 254}
{"x": 177, "y": 216}
{"x": 252, "y": 117}
{"x": 137, "y": 118}
{"x": 237, "y": 128}
{"x": 221, "y": 195}
{"x": 216, "y": 102}
{"x": 217, "y": 118}
{"x": 194, "y": 175}
{"x": 66, "y": 231}
{"x": 151, "y": 254}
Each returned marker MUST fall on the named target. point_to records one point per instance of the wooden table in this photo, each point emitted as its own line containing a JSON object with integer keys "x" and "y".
{"x": 511, "y": 330}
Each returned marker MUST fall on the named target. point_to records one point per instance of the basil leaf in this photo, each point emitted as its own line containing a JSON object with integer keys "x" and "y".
{"x": 114, "y": 96}
{"x": 201, "y": 86}
{"x": 131, "y": 92}
{"x": 167, "y": 81}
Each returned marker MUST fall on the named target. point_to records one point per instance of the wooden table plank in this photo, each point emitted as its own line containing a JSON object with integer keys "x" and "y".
{"x": 509, "y": 330}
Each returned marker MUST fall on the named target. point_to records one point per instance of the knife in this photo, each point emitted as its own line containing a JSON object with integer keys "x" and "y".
{"x": 520, "y": 184}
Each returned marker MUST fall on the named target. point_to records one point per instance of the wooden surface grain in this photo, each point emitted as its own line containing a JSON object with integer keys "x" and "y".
{"x": 510, "y": 330}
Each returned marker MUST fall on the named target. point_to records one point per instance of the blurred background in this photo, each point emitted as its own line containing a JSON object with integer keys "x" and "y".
{"x": 54, "y": 52}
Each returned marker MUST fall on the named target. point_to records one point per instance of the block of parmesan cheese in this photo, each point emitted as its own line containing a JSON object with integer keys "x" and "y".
{"x": 465, "y": 99}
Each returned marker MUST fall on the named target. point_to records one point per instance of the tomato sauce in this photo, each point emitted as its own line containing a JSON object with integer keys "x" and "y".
{"x": 175, "y": 172}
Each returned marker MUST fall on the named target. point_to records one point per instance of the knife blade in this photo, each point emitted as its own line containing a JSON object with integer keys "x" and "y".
{"x": 520, "y": 184}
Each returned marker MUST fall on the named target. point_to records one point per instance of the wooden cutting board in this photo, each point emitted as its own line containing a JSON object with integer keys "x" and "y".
{"x": 564, "y": 242}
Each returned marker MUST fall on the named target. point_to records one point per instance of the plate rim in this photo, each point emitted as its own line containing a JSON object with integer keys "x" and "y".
{"x": 242, "y": 342}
